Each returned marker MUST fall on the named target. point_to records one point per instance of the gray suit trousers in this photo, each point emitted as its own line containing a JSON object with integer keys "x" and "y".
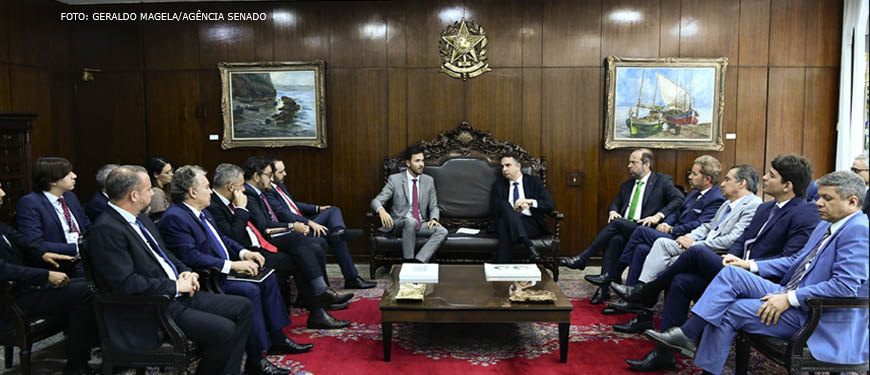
{"x": 408, "y": 228}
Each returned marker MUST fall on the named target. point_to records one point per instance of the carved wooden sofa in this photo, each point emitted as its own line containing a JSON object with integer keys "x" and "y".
{"x": 464, "y": 164}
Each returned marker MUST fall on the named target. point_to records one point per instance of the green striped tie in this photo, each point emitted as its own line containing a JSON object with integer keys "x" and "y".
{"x": 633, "y": 206}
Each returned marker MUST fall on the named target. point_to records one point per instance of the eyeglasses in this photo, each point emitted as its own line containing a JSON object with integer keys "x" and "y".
{"x": 859, "y": 170}
{"x": 267, "y": 174}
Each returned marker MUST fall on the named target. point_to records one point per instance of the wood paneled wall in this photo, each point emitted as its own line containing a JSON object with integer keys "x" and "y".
{"x": 159, "y": 89}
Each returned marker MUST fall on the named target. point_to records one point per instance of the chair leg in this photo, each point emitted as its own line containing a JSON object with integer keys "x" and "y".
{"x": 107, "y": 367}
{"x": 7, "y": 356}
{"x": 24, "y": 357}
{"x": 140, "y": 371}
{"x": 742, "y": 356}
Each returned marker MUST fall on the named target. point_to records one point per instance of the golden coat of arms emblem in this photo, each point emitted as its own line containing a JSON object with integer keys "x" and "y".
{"x": 463, "y": 50}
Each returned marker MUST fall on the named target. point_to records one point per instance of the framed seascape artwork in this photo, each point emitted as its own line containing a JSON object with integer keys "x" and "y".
{"x": 273, "y": 104}
{"x": 665, "y": 103}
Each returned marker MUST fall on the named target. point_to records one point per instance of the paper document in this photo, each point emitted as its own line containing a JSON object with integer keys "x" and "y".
{"x": 419, "y": 273}
{"x": 511, "y": 272}
{"x": 467, "y": 231}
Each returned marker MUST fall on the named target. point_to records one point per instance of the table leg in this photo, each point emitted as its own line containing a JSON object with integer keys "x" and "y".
{"x": 387, "y": 333}
{"x": 563, "y": 341}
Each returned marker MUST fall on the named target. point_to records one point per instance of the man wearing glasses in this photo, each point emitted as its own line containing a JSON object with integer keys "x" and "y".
{"x": 862, "y": 168}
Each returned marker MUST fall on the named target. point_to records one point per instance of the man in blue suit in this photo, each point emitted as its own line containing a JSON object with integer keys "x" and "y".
{"x": 51, "y": 215}
{"x": 324, "y": 221}
{"x": 698, "y": 208}
{"x": 780, "y": 227}
{"x": 100, "y": 201}
{"x": 645, "y": 199}
{"x": 832, "y": 263}
{"x": 191, "y": 233}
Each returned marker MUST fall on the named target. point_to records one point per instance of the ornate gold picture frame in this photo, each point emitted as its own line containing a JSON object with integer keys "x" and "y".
{"x": 665, "y": 103}
{"x": 273, "y": 104}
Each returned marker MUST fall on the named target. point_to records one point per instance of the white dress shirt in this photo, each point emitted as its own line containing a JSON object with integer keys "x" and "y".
{"x": 519, "y": 185}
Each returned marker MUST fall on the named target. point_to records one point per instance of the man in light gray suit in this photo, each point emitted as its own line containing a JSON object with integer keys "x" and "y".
{"x": 739, "y": 187}
{"x": 414, "y": 210}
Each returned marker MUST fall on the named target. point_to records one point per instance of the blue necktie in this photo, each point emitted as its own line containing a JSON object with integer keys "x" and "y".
{"x": 214, "y": 241}
{"x": 516, "y": 193}
{"x": 727, "y": 211}
{"x": 154, "y": 245}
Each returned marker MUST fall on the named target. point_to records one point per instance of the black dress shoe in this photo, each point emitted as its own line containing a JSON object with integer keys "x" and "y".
{"x": 341, "y": 234}
{"x": 577, "y": 262}
{"x": 263, "y": 366}
{"x": 674, "y": 338}
{"x": 628, "y": 293}
{"x": 288, "y": 347}
{"x": 326, "y": 321}
{"x": 534, "y": 255}
{"x": 601, "y": 280}
{"x": 655, "y": 360}
{"x": 336, "y": 306}
{"x": 359, "y": 283}
{"x": 621, "y": 307}
{"x": 330, "y": 297}
{"x": 601, "y": 295}
{"x": 638, "y": 324}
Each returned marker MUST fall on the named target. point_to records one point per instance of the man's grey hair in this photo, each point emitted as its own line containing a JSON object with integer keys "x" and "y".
{"x": 102, "y": 173}
{"x": 863, "y": 157}
{"x": 847, "y": 184}
{"x": 226, "y": 173}
{"x": 122, "y": 180}
{"x": 183, "y": 179}
{"x": 710, "y": 167}
{"x": 749, "y": 174}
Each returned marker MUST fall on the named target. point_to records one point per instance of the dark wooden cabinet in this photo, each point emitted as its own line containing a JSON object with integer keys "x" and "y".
{"x": 15, "y": 164}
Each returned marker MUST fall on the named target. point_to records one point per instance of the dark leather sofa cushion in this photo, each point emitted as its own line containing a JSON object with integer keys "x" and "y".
{"x": 463, "y": 186}
{"x": 482, "y": 243}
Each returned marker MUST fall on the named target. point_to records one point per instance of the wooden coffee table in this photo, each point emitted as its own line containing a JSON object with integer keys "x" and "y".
{"x": 462, "y": 295}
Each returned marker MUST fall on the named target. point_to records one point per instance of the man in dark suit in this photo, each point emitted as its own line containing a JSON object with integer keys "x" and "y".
{"x": 51, "y": 215}
{"x": 229, "y": 209}
{"x": 518, "y": 203}
{"x": 134, "y": 261}
{"x": 698, "y": 208}
{"x": 779, "y": 228}
{"x": 42, "y": 292}
{"x": 645, "y": 199}
{"x": 98, "y": 203}
{"x": 324, "y": 221}
{"x": 309, "y": 253}
{"x": 191, "y": 233}
{"x": 832, "y": 263}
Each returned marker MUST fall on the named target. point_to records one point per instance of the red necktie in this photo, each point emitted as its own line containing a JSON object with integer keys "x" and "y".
{"x": 415, "y": 204}
{"x": 263, "y": 243}
{"x": 271, "y": 213}
{"x": 289, "y": 201}
{"x": 67, "y": 216}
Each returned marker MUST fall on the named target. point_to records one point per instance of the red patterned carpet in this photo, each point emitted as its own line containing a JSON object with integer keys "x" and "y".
{"x": 476, "y": 348}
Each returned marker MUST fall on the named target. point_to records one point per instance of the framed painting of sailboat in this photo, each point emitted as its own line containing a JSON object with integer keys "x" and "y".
{"x": 665, "y": 103}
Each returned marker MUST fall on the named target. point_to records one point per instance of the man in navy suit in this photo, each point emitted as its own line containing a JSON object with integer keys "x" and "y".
{"x": 134, "y": 261}
{"x": 98, "y": 203}
{"x": 832, "y": 263}
{"x": 780, "y": 227}
{"x": 518, "y": 203}
{"x": 191, "y": 233}
{"x": 229, "y": 207}
{"x": 324, "y": 221}
{"x": 645, "y": 199}
{"x": 42, "y": 292}
{"x": 309, "y": 253}
{"x": 51, "y": 215}
{"x": 698, "y": 208}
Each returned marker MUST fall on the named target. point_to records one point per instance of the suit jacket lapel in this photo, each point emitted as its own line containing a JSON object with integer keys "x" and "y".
{"x": 142, "y": 244}
{"x": 650, "y": 183}
{"x": 404, "y": 190}
{"x": 52, "y": 213}
{"x": 778, "y": 215}
{"x": 827, "y": 244}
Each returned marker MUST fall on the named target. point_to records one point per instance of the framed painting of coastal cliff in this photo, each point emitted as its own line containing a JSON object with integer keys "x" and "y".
{"x": 665, "y": 103}
{"x": 273, "y": 104}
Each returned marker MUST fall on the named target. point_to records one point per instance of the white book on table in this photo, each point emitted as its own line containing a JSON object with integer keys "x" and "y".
{"x": 511, "y": 272}
{"x": 419, "y": 273}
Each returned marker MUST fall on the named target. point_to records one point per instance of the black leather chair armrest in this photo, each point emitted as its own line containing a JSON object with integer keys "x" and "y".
{"x": 817, "y": 305}
{"x": 208, "y": 279}
{"x": 558, "y": 216}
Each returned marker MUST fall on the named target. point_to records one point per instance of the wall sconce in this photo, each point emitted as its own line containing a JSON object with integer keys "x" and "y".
{"x": 88, "y": 74}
